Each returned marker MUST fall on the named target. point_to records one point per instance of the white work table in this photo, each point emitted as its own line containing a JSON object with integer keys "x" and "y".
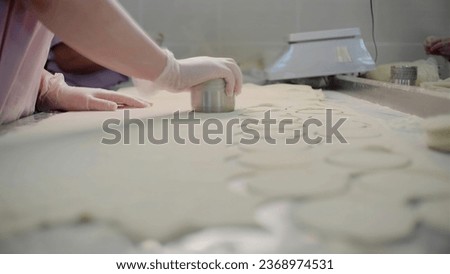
{"x": 63, "y": 191}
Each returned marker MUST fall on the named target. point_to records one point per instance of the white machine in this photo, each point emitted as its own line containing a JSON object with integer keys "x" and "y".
{"x": 322, "y": 53}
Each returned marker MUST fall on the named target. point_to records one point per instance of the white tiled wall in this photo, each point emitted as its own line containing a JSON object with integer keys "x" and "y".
{"x": 255, "y": 30}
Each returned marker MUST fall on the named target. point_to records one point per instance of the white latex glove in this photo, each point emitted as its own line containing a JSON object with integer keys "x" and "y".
{"x": 179, "y": 75}
{"x": 102, "y": 31}
{"x": 55, "y": 94}
{"x": 145, "y": 88}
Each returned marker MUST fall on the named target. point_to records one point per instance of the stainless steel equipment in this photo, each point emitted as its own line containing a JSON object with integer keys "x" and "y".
{"x": 210, "y": 97}
{"x": 404, "y": 75}
{"x": 322, "y": 53}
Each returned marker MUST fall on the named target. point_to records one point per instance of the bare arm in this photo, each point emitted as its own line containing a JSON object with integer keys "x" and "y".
{"x": 103, "y": 32}
{"x": 72, "y": 62}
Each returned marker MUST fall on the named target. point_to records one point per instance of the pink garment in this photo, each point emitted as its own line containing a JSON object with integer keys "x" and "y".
{"x": 100, "y": 30}
{"x": 23, "y": 52}
{"x": 104, "y": 78}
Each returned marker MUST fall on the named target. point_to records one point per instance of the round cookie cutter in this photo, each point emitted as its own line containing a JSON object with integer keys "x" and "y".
{"x": 210, "y": 97}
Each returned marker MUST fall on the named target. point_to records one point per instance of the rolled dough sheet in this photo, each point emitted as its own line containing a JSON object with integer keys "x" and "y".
{"x": 320, "y": 110}
{"x": 260, "y": 115}
{"x": 279, "y": 149}
{"x": 282, "y": 158}
{"x": 299, "y": 183}
{"x": 165, "y": 191}
{"x": 87, "y": 238}
{"x": 436, "y": 214}
{"x": 443, "y": 85}
{"x": 351, "y": 130}
{"x": 226, "y": 240}
{"x": 369, "y": 158}
{"x": 263, "y": 108}
{"x": 281, "y": 134}
{"x": 306, "y": 93}
{"x": 406, "y": 184}
{"x": 364, "y": 221}
{"x": 276, "y": 217}
{"x": 438, "y": 132}
{"x": 162, "y": 192}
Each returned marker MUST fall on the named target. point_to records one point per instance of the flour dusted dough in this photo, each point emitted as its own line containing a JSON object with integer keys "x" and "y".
{"x": 436, "y": 214}
{"x": 263, "y": 155}
{"x": 426, "y": 71}
{"x": 71, "y": 238}
{"x": 226, "y": 240}
{"x": 351, "y": 131}
{"x": 406, "y": 184}
{"x": 365, "y": 221}
{"x": 368, "y": 158}
{"x": 259, "y": 115}
{"x": 438, "y": 132}
{"x": 442, "y": 85}
{"x": 296, "y": 183}
{"x": 318, "y": 110}
{"x": 279, "y": 149}
{"x": 290, "y": 129}
{"x": 274, "y": 161}
{"x": 262, "y": 109}
{"x": 303, "y": 92}
{"x": 166, "y": 192}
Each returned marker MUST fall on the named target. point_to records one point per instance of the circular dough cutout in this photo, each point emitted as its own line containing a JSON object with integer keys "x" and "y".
{"x": 371, "y": 157}
{"x": 321, "y": 110}
{"x": 259, "y": 115}
{"x": 290, "y": 132}
{"x": 298, "y": 183}
{"x": 371, "y": 222}
{"x": 406, "y": 184}
{"x": 350, "y": 133}
{"x": 436, "y": 214}
{"x": 350, "y": 129}
{"x": 438, "y": 132}
{"x": 262, "y": 147}
{"x": 275, "y": 156}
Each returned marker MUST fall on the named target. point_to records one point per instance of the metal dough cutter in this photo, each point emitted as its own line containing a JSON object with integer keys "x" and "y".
{"x": 318, "y": 54}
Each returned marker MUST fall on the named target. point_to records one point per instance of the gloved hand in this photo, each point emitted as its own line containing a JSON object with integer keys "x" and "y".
{"x": 55, "y": 94}
{"x": 437, "y": 46}
{"x": 185, "y": 74}
{"x": 125, "y": 47}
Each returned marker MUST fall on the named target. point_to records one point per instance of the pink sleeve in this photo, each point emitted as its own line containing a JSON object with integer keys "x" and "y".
{"x": 102, "y": 31}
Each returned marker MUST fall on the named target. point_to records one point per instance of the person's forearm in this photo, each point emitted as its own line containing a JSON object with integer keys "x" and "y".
{"x": 70, "y": 61}
{"x": 104, "y": 33}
